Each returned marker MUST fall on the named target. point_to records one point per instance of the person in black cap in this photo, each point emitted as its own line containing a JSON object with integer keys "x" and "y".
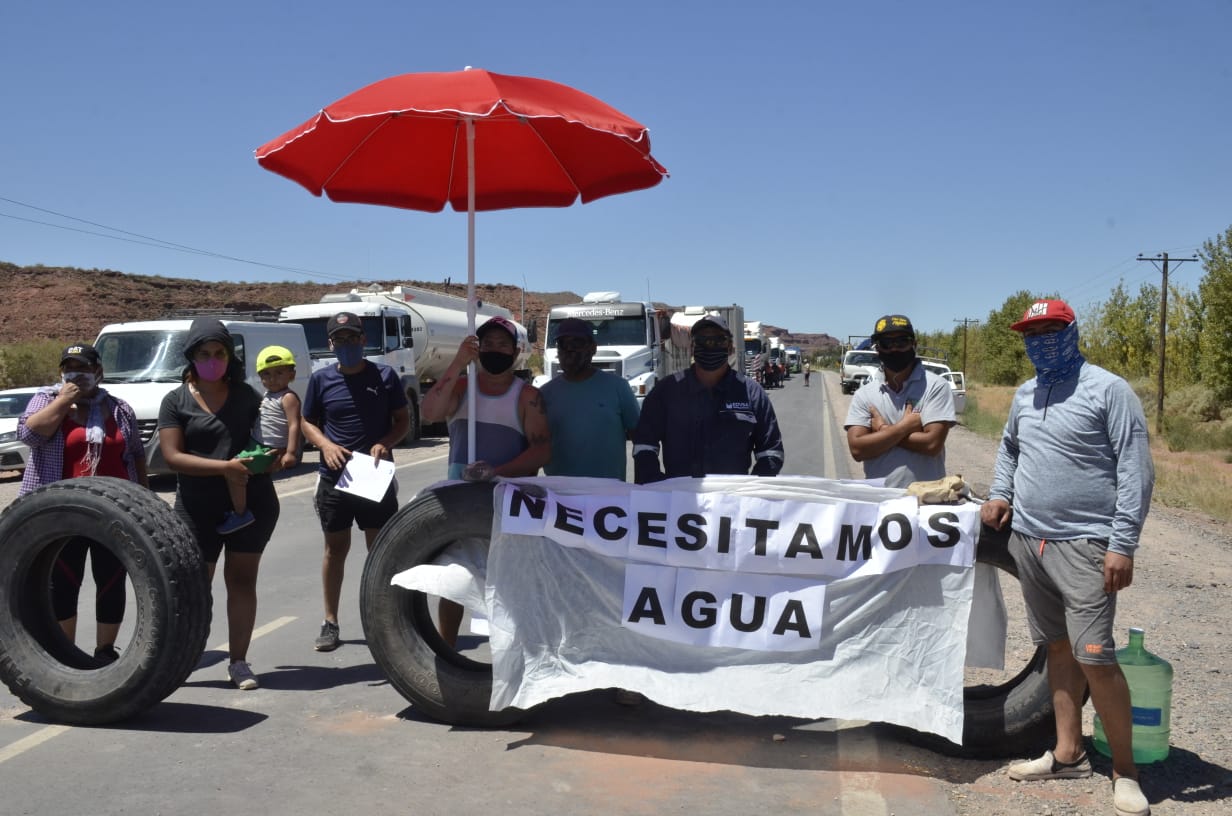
{"x": 511, "y": 427}
{"x": 708, "y": 419}
{"x": 202, "y": 427}
{"x": 591, "y": 412}
{"x": 353, "y": 406}
{"x": 898, "y": 422}
{"x": 78, "y": 429}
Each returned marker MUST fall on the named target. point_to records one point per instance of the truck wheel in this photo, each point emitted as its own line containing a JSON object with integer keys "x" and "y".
{"x": 1013, "y": 718}
{"x": 413, "y": 433}
{"x": 398, "y": 623}
{"x": 172, "y": 601}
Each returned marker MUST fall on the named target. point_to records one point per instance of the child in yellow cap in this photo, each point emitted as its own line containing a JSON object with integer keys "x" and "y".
{"x": 279, "y": 427}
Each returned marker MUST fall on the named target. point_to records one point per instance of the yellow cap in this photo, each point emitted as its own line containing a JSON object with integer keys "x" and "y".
{"x": 274, "y": 356}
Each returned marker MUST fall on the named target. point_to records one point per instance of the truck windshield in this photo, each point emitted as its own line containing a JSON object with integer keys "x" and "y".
{"x": 143, "y": 356}
{"x": 752, "y": 345}
{"x": 611, "y": 331}
{"x": 318, "y": 342}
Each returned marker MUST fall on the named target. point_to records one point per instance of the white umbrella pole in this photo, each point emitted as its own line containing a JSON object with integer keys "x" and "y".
{"x": 470, "y": 285}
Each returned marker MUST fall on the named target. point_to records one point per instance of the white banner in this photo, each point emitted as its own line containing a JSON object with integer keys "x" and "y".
{"x": 789, "y": 596}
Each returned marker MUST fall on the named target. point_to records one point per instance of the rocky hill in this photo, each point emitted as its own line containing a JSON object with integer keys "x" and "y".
{"x": 66, "y": 304}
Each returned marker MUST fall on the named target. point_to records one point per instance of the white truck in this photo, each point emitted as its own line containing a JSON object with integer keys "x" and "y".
{"x": 859, "y": 366}
{"x": 635, "y": 339}
{"x": 755, "y": 348}
{"x": 144, "y": 360}
{"x": 415, "y": 331}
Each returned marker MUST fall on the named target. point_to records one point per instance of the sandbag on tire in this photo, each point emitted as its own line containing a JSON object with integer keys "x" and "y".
{"x": 398, "y": 624}
{"x": 170, "y": 615}
{"x": 1013, "y": 718}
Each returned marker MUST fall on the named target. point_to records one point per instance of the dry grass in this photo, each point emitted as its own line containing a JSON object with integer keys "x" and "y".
{"x": 1197, "y": 480}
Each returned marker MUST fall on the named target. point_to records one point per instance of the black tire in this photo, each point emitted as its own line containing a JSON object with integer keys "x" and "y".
{"x": 1013, "y": 718}
{"x": 398, "y": 624}
{"x": 413, "y": 433}
{"x": 172, "y": 601}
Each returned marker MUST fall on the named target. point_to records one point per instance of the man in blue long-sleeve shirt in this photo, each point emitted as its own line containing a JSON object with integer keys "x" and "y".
{"x": 1073, "y": 479}
{"x": 708, "y": 418}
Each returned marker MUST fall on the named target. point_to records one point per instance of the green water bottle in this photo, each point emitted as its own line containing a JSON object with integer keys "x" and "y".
{"x": 1150, "y": 698}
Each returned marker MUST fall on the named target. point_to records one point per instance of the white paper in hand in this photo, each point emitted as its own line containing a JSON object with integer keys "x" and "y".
{"x": 366, "y": 477}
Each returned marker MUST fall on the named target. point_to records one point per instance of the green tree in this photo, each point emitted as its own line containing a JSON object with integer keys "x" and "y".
{"x": 1215, "y": 291}
{"x": 1122, "y": 333}
{"x": 1184, "y": 338}
{"x": 1003, "y": 359}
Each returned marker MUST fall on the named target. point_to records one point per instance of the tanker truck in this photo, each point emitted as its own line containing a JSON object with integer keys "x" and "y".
{"x": 415, "y": 331}
{"x": 636, "y": 340}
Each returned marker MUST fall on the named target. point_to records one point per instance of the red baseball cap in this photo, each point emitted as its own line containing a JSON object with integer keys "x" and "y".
{"x": 1042, "y": 310}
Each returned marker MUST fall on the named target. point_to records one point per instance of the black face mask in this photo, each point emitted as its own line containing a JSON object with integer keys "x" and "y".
{"x": 495, "y": 362}
{"x": 896, "y": 360}
{"x": 710, "y": 360}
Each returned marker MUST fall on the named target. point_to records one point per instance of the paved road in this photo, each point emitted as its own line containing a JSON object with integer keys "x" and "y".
{"x": 325, "y": 733}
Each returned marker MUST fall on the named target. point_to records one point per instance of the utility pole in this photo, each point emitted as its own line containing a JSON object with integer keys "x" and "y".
{"x": 1163, "y": 328}
{"x": 523, "y": 300}
{"x": 966, "y": 321}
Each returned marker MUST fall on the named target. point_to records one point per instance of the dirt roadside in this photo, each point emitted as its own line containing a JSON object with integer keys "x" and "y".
{"x": 1182, "y": 597}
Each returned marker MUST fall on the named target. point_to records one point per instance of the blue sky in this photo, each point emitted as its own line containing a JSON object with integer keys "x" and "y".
{"x": 830, "y": 162}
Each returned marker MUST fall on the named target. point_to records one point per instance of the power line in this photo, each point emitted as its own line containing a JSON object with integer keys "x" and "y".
{"x": 146, "y": 240}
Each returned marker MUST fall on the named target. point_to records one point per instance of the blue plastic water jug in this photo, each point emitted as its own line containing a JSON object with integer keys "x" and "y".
{"x": 1150, "y": 697}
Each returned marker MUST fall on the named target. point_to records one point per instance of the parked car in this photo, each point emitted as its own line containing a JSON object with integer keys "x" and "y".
{"x": 13, "y": 402}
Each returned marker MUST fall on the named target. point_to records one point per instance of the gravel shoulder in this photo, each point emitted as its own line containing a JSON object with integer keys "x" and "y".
{"x": 1182, "y": 597}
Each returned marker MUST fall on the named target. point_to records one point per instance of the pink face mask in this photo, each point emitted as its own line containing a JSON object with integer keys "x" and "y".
{"x": 210, "y": 370}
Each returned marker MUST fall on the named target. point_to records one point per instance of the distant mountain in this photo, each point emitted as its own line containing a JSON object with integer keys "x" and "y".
{"x": 66, "y": 303}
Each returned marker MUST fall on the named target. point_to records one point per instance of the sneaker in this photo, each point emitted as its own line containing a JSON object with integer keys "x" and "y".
{"x": 241, "y": 675}
{"x": 328, "y": 640}
{"x": 106, "y": 654}
{"x": 1128, "y": 799}
{"x": 1047, "y": 767}
{"x": 235, "y": 521}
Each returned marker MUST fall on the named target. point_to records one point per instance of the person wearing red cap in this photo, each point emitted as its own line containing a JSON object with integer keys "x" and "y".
{"x": 1073, "y": 480}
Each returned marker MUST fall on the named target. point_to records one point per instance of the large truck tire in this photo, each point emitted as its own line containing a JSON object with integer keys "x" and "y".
{"x": 398, "y": 623}
{"x": 1013, "y": 718}
{"x": 170, "y": 616}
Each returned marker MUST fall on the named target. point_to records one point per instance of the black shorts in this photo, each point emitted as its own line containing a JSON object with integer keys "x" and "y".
{"x": 204, "y": 503}
{"x": 338, "y": 510}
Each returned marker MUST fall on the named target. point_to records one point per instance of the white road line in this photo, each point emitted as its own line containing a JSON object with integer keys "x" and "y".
{"x": 277, "y": 623}
{"x": 26, "y": 743}
{"x": 42, "y": 735}
{"x": 399, "y": 467}
{"x": 829, "y": 463}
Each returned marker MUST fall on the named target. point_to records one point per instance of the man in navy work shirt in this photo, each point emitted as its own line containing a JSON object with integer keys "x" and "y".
{"x": 708, "y": 418}
{"x": 353, "y": 406}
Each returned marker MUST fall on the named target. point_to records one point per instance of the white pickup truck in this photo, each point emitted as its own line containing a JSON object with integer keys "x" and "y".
{"x": 859, "y": 366}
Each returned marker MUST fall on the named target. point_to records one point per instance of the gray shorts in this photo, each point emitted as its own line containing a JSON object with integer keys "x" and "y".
{"x": 1063, "y": 587}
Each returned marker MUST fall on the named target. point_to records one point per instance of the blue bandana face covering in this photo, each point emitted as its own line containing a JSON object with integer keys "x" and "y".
{"x": 1055, "y": 356}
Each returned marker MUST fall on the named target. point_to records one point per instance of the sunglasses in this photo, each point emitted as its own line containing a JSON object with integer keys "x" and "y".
{"x": 896, "y": 343}
{"x": 572, "y": 344}
{"x": 710, "y": 342}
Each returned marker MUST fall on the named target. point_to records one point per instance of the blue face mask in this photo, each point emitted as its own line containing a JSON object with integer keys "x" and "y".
{"x": 349, "y": 355}
{"x": 1055, "y": 356}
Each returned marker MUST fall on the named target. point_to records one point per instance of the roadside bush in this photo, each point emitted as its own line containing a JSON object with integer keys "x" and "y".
{"x": 1196, "y": 402}
{"x": 29, "y": 364}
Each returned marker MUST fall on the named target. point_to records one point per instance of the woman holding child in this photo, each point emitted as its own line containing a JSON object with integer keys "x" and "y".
{"x": 202, "y": 426}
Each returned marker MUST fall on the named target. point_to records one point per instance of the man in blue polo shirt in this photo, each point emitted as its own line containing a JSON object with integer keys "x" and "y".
{"x": 591, "y": 412}
{"x": 898, "y": 421}
{"x": 708, "y": 419}
{"x": 353, "y": 406}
